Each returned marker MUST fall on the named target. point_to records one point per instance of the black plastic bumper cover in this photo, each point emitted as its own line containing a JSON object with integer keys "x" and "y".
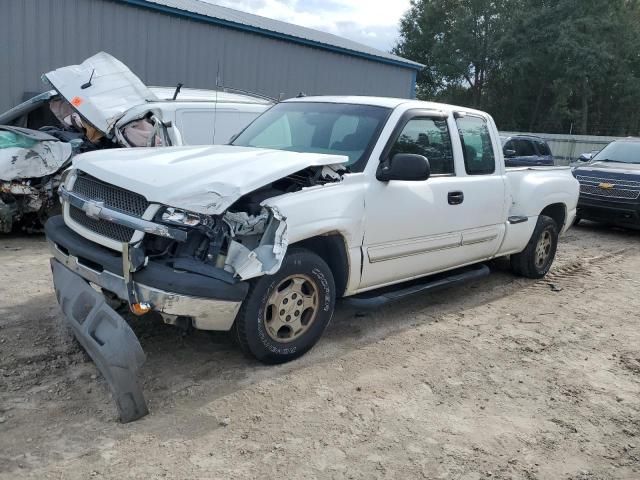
{"x": 155, "y": 274}
{"x": 617, "y": 213}
{"x": 106, "y": 337}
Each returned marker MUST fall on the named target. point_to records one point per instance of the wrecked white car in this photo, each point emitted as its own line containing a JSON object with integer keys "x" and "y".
{"x": 318, "y": 198}
{"x": 29, "y": 162}
{"x": 96, "y": 105}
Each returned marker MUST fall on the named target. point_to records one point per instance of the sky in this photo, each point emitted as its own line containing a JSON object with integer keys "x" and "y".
{"x": 371, "y": 22}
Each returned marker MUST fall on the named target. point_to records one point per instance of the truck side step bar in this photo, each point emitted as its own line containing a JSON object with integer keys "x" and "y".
{"x": 422, "y": 285}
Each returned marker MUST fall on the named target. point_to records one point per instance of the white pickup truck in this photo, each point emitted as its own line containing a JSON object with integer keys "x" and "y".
{"x": 318, "y": 198}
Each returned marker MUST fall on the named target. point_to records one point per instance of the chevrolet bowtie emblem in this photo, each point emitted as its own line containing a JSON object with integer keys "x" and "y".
{"x": 606, "y": 186}
{"x": 93, "y": 209}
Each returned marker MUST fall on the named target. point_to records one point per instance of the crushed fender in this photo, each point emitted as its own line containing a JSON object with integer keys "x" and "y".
{"x": 267, "y": 256}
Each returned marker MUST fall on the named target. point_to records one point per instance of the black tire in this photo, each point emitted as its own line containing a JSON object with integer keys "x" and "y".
{"x": 576, "y": 221}
{"x": 250, "y": 328}
{"x": 530, "y": 262}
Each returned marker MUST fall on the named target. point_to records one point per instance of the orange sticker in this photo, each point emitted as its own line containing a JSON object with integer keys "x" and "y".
{"x": 76, "y": 101}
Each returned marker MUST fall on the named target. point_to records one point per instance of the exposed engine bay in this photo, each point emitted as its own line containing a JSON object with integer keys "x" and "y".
{"x": 28, "y": 203}
{"x": 247, "y": 241}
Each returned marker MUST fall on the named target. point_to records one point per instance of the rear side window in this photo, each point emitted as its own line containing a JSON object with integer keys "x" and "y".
{"x": 543, "y": 148}
{"x": 430, "y": 138}
{"x": 476, "y": 145}
{"x": 524, "y": 148}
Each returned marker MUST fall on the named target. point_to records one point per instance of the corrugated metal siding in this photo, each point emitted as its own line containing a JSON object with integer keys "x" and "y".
{"x": 39, "y": 35}
{"x": 229, "y": 16}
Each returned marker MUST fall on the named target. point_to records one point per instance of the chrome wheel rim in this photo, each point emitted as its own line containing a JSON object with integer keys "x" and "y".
{"x": 291, "y": 308}
{"x": 543, "y": 249}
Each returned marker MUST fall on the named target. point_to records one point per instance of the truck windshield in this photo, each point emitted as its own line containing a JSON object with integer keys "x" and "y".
{"x": 312, "y": 127}
{"x": 619, "y": 152}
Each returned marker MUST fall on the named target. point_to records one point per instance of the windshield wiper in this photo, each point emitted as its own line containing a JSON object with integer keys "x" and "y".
{"x": 608, "y": 160}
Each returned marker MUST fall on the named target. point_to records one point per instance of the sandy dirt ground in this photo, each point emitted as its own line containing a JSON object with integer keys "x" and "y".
{"x": 503, "y": 378}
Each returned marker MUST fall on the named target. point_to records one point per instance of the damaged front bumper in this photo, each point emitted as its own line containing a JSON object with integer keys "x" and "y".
{"x": 211, "y": 304}
{"x": 81, "y": 269}
{"x": 106, "y": 337}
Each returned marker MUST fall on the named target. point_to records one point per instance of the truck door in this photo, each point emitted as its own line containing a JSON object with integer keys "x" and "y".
{"x": 416, "y": 228}
{"x": 484, "y": 212}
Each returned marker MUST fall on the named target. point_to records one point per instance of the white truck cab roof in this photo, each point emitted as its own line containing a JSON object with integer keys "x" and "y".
{"x": 388, "y": 102}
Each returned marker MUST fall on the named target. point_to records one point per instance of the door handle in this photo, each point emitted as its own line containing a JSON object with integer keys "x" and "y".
{"x": 455, "y": 198}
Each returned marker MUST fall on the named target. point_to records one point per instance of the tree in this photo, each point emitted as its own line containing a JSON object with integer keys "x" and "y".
{"x": 536, "y": 65}
{"x": 457, "y": 40}
{"x": 567, "y": 52}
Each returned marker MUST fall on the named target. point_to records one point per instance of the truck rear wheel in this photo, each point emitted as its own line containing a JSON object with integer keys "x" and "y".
{"x": 536, "y": 259}
{"x": 285, "y": 314}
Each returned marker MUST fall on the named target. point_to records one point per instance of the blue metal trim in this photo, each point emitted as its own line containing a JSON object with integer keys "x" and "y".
{"x": 269, "y": 33}
{"x": 414, "y": 78}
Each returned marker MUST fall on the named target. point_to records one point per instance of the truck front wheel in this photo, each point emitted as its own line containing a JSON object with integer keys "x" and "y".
{"x": 285, "y": 314}
{"x": 536, "y": 259}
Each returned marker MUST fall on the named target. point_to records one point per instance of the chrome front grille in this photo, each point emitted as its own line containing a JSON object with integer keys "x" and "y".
{"x": 617, "y": 182}
{"x": 610, "y": 192}
{"x": 619, "y": 188}
{"x": 112, "y": 197}
{"x": 101, "y": 227}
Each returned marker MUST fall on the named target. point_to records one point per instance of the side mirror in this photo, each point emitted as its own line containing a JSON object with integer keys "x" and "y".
{"x": 404, "y": 166}
{"x": 585, "y": 157}
{"x": 508, "y": 153}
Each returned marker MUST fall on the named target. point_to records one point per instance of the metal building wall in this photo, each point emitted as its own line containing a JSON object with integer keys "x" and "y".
{"x": 39, "y": 35}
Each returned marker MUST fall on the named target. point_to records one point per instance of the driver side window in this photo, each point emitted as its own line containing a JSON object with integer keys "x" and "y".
{"x": 430, "y": 138}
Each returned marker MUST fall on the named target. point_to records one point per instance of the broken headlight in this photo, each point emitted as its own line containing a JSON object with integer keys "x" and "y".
{"x": 177, "y": 216}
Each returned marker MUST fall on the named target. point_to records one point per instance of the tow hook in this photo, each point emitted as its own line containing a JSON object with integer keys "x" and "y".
{"x": 133, "y": 258}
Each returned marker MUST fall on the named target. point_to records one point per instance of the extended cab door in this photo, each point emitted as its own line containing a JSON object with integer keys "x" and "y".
{"x": 456, "y": 217}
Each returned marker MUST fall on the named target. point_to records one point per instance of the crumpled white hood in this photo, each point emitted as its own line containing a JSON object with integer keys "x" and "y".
{"x": 101, "y": 89}
{"x": 206, "y": 179}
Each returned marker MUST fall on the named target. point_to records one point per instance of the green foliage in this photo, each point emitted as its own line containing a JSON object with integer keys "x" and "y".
{"x": 536, "y": 65}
